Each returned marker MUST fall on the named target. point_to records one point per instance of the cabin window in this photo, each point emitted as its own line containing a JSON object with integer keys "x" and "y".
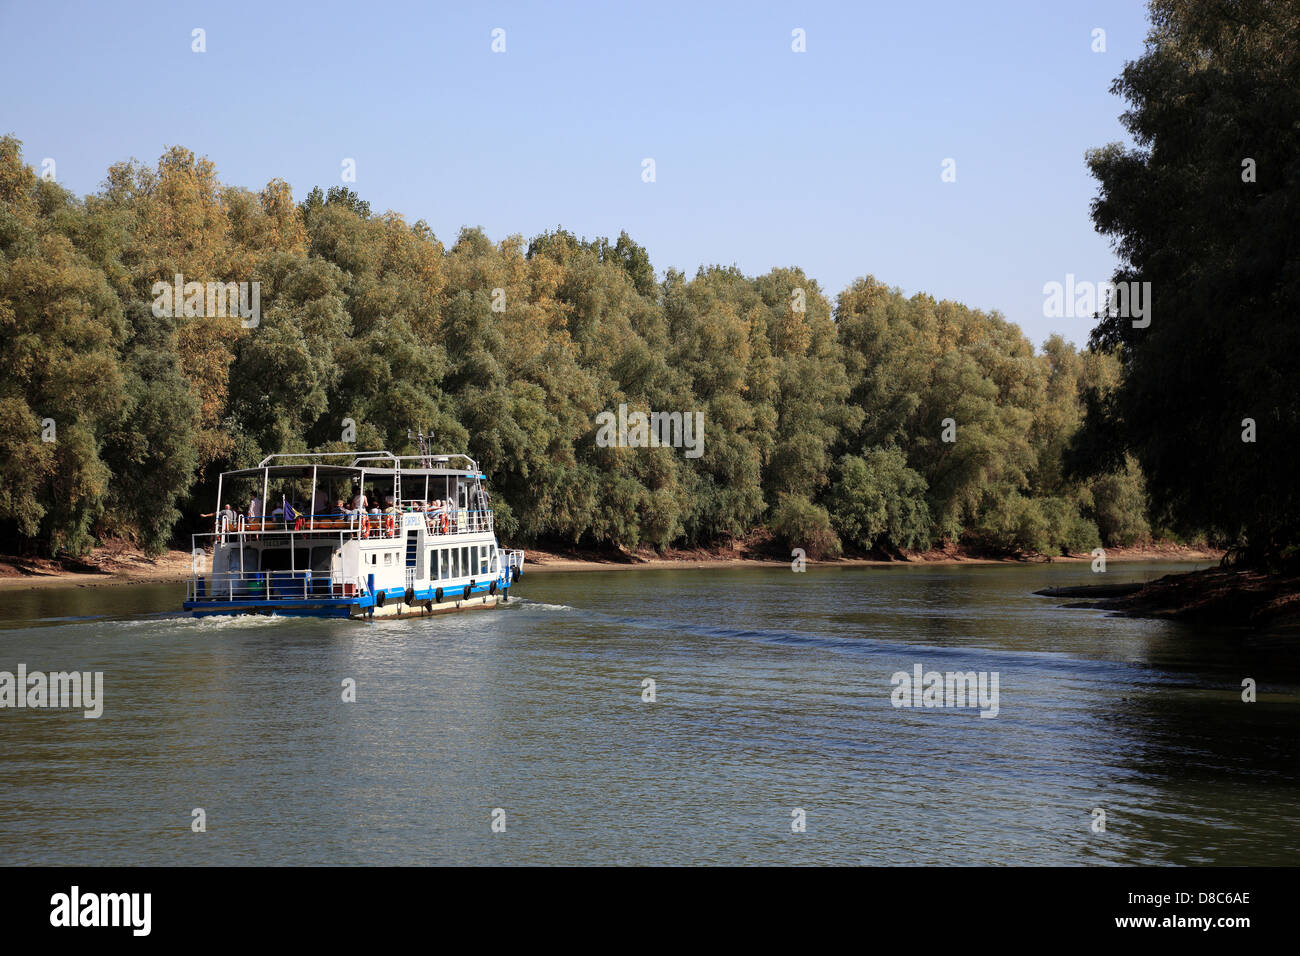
{"x": 281, "y": 559}
{"x": 464, "y": 560}
{"x": 455, "y": 562}
{"x": 483, "y": 561}
{"x": 388, "y": 559}
{"x": 473, "y": 559}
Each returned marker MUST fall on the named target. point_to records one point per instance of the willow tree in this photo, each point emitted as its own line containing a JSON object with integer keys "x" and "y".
{"x": 1204, "y": 207}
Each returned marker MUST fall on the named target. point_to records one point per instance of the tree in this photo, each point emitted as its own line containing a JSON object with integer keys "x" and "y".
{"x": 1203, "y": 208}
{"x": 878, "y": 502}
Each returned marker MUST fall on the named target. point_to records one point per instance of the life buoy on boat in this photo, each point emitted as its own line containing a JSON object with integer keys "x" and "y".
{"x": 446, "y": 523}
{"x": 365, "y": 526}
{"x": 390, "y": 525}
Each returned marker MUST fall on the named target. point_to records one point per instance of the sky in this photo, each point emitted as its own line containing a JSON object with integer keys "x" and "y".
{"x": 830, "y": 159}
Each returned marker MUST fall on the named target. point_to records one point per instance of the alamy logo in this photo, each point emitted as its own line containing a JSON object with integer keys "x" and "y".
{"x": 1083, "y": 300}
{"x": 953, "y": 689}
{"x": 639, "y": 430}
{"x": 57, "y": 689}
{"x": 103, "y": 909}
{"x": 212, "y": 300}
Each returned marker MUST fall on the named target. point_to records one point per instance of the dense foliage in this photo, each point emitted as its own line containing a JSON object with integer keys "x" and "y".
{"x": 877, "y": 422}
{"x": 1206, "y": 208}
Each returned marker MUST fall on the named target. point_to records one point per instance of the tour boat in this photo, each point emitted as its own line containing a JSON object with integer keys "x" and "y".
{"x": 357, "y": 535}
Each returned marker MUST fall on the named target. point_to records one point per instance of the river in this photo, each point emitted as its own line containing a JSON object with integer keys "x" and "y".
{"x": 772, "y": 707}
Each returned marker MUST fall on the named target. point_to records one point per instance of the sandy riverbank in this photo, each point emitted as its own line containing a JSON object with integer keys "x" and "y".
{"x": 544, "y": 561}
{"x": 105, "y": 567}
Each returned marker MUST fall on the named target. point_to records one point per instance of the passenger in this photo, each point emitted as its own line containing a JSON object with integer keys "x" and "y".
{"x": 391, "y": 508}
{"x": 226, "y": 514}
{"x": 360, "y": 503}
{"x": 319, "y": 502}
{"x": 255, "y": 506}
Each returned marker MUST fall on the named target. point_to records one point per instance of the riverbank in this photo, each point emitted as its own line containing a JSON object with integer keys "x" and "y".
{"x": 102, "y": 567}
{"x": 107, "y": 567}
{"x": 763, "y": 555}
{"x": 1219, "y": 596}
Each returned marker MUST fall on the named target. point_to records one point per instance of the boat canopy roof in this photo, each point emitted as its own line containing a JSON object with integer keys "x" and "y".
{"x": 378, "y": 463}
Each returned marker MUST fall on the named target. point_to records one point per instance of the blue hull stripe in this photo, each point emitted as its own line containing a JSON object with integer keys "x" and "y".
{"x": 330, "y": 607}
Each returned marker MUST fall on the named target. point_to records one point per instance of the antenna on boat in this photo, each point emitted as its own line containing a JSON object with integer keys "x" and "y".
{"x": 425, "y": 460}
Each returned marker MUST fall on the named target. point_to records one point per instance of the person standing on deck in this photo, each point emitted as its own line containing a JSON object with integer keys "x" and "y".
{"x": 226, "y": 515}
{"x": 255, "y": 506}
{"x": 320, "y": 502}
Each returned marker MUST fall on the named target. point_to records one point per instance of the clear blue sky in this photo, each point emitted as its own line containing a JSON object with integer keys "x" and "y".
{"x": 829, "y": 159}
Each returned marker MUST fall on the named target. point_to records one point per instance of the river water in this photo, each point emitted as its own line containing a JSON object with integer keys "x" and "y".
{"x": 772, "y": 696}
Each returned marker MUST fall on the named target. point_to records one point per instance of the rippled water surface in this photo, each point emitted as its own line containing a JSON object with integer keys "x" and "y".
{"x": 773, "y": 693}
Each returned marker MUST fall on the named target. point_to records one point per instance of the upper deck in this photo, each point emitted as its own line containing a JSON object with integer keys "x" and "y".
{"x": 351, "y": 495}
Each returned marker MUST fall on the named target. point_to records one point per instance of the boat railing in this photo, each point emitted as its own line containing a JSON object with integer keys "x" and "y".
{"x": 372, "y": 524}
{"x": 346, "y": 525}
{"x": 272, "y": 586}
{"x": 459, "y": 521}
{"x": 350, "y": 522}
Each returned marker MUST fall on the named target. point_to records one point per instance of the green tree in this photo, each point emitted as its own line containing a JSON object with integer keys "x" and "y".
{"x": 1203, "y": 208}
{"x": 878, "y": 502}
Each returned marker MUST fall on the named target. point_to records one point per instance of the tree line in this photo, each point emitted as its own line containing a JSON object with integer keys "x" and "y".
{"x": 874, "y": 422}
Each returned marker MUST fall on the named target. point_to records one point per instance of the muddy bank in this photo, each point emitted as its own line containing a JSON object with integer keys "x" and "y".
{"x": 1221, "y": 596}
{"x": 764, "y": 555}
{"x": 118, "y": 565}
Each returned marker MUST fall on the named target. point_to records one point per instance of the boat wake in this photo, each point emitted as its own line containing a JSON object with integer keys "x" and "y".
{"x": 888, "y": 649}
{"x": 540, "y": 606}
